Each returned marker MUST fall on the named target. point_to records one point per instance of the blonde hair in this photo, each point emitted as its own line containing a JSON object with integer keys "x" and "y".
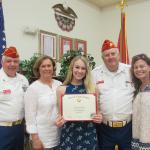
{"x": 87, "y": 80}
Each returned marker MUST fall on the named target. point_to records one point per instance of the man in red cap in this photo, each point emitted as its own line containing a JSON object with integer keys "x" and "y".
{"x": 116, "y": 95}
{"x": 12, "y": 88}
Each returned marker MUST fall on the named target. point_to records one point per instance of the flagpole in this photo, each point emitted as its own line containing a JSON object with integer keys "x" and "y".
{"x": 122, "y": 41}
{"x": 122, "y": 4}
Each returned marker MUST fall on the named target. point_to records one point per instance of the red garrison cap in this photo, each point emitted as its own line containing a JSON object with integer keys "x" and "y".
{"x": 108, "y": 45}
{"x": 11, "y": 52}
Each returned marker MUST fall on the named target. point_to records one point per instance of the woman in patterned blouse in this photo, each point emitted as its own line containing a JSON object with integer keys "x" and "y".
{"x": 141, "y": 105}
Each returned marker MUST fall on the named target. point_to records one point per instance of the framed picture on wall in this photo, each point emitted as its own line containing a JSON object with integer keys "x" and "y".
{"x": 66, "y": 44}
{"x": 48, "y": 43}
{"x": 81, "y": 45}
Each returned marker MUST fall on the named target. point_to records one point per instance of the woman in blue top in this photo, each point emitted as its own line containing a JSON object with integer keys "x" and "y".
{"x": 79, "y": 135}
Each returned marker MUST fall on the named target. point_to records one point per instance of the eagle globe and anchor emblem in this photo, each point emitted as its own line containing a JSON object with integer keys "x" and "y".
{"x": 64, "y": 16}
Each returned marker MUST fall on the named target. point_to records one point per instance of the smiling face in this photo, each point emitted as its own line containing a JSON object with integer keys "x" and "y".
{"x": 46, "y": 69}
{"x": 111, "y": 59}
{"x": 141, "y": 70}
{"x": 78, "y": 71}
{"x": 10, "y": 66}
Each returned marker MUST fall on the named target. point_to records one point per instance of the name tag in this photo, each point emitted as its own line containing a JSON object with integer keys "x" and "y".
{"x": 7, "y": 91}
{"x": 100, "y": 82}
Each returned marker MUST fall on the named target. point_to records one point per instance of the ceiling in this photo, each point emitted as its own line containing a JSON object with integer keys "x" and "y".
{"x": 106, "y": 3}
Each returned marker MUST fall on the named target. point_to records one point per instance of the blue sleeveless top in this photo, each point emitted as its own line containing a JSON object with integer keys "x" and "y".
{"x": 78, "y": 135}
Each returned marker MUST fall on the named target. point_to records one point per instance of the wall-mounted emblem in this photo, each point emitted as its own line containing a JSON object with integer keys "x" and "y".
{"x": 65, "y": 17}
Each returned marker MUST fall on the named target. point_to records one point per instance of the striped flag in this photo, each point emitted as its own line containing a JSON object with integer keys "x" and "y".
{"x": 2, "y": 32}
{"x": 122, "y": 41}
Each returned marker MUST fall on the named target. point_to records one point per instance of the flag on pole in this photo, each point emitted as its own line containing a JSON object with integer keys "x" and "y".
{"x": 122, "y": 41}
{"x": 2, "y": 32}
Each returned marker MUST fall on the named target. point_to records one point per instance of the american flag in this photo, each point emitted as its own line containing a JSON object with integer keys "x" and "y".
{"x": 2, "y": 32}
{"x": 122, "y": 41}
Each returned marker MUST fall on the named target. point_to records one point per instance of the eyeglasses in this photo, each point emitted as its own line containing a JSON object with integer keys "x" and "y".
{"x": 140, "y": 56}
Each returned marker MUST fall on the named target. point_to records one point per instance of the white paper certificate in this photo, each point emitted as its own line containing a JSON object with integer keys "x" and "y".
{"x": 77, "y": 107}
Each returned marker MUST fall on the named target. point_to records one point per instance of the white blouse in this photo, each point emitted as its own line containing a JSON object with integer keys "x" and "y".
{"x": 41, "y": 112}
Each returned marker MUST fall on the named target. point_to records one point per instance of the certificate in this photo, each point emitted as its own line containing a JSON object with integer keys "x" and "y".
{"x": 78, "y": 107}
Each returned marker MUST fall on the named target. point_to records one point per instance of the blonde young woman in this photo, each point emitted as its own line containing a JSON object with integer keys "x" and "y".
{"x": 82, "y": 134}
{"x": 41, "y": 106}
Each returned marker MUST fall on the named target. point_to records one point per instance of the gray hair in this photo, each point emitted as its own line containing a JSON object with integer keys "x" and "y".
{"x": 4, "y": 58}
{"x": 117, "y": 50}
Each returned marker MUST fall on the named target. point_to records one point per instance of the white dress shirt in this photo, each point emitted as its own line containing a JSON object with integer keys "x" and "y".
{"x": 12, "y": 97}
{"x": 116, "y": 92}
{"x": 41, "y": 112}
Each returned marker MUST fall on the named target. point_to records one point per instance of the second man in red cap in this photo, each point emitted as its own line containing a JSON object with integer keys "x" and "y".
{"x": 116, "y": 95}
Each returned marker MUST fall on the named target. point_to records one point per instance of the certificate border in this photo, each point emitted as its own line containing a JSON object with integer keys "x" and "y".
{"x": 61, "y": 107}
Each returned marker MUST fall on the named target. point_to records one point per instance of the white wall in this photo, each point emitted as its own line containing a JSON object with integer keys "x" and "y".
{"x": 92, "y": 25}
{"x": 137, "y": 23}
{"x": 39, "y": 14}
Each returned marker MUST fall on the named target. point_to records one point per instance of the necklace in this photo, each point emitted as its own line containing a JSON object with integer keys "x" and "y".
{"x": 142, "y": 88}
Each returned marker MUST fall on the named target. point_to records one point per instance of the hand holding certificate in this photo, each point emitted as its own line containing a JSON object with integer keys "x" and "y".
{"x": 78, "y": 107}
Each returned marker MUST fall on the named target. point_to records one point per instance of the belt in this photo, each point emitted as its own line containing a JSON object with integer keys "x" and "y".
{"x": 13, "y": 123}
{"x": 116, "y": 124}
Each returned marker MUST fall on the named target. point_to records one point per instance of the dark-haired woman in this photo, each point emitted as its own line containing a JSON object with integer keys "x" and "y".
{"x": 141, "y": 105}
{"x": 41, "y": 106}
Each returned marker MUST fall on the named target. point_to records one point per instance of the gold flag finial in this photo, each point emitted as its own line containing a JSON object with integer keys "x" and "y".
{"x": 122, "y": 4}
